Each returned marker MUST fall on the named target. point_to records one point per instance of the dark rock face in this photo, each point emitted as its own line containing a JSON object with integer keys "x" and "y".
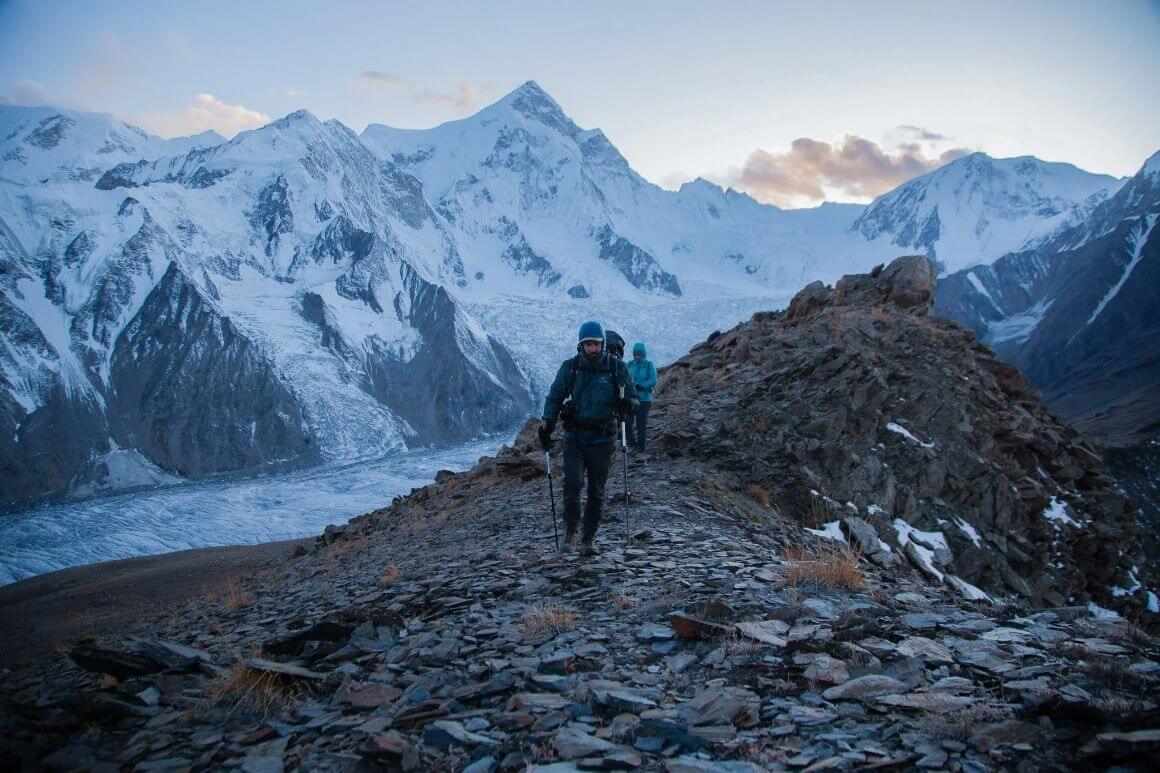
{"x": 192, "y": 394}
{"x": 638, "y": 267}
{"x": 520, "y": 256}
{"x": 442, "y": 393}
{"x": 1078, "y": 315}
{"x": 272, "y": 215}
{"x": 860, "y": 396}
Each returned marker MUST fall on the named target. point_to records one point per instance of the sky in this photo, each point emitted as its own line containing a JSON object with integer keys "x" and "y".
{"x": 793, "y": 102}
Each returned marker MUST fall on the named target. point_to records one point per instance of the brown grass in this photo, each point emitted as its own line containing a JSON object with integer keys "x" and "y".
{"x": 832, "y": 564}
{"x": 390, "y": 576}
{"x": 235, "y": 597}
{"x": 760, "y": 495}
{"x": 620, "y": 602}
{"x": 548, "y": 617}
{"x": 736, "y": 643}
{"x": 249, "y": 690}
{"x": 958, "y": 725}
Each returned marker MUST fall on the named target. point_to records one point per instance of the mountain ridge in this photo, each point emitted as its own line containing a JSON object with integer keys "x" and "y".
{"x": 322, "y": 246}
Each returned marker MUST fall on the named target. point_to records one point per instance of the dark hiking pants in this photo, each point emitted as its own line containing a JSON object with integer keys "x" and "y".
{"x": 636, "y": 435}
{"x": 595, "y": 459}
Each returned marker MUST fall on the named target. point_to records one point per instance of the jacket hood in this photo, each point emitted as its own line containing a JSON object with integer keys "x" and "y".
{"x": 639, "y": 348}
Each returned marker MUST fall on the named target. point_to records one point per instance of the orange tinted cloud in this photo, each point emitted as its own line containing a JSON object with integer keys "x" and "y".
{"x": 855, "y": 166}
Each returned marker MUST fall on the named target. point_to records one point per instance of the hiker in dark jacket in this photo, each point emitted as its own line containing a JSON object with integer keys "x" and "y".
{"x": 644, "y": 379}
{"x": 592, "y": 380}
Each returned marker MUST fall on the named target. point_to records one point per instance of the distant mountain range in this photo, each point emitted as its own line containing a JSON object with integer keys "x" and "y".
{"x": 302, "y": 293}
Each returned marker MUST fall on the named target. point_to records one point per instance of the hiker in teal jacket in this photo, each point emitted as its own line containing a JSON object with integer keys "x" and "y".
{"x": 592, "y": 380}
{"x": 644, "y": 377}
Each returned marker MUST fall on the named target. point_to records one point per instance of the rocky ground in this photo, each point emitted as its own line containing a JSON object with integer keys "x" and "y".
{"x": 736, "y": 620}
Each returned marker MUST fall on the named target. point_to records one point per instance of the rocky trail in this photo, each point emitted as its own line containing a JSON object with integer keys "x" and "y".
{"x": 753, "y": 621}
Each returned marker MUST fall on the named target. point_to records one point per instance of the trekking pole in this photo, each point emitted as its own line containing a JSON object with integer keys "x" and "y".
{"x": 624, "y": 450}
{"x": 552, "y": 494}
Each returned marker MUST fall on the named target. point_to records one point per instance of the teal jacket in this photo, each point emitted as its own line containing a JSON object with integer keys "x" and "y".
{"x": 595, "y": 416}
{"x": 644, "y": 374}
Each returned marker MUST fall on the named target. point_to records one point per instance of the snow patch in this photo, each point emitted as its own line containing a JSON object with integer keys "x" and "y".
{"x": 1099, "y": 613}
{"x": 969, "y": 591}
{"x": 901, "y": 430}
{"x": 1056, "y": 512}
{"x": 982, "y": 290}
{"x": 970, "y": 531}
{"x": 925, "y": 543}
{"x": 1139, "y": 238}
{"x": 830, "y": 531}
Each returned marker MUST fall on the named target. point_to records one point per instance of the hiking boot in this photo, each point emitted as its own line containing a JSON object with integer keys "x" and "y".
{"x": 569, "y": 542}
{"x": 587, "y": 549}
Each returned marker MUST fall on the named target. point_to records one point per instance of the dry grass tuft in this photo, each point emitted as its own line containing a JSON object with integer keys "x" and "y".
{"x": 760, "y": 495}
{"x": 251, "y": 691}
{"x": 735, "y": 643}
{"x": 390, "y": 576}
{"x": 620, "y": 602}
{"x": 958, "y": 725}
{"x": 548, "y": 617}
{"x": 832, "y": 564}
{"x": 235, "y": 597}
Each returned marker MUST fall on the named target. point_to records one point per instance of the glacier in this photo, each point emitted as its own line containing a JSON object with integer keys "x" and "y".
{"x": 232, "y": 511}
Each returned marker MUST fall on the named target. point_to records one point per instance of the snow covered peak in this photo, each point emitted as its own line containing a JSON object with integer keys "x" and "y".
{"x": 978, "y": 208}
{"x": 41, "y": 143}
{"x": 701, "y": 187}
{"x": 1152, "y": 165}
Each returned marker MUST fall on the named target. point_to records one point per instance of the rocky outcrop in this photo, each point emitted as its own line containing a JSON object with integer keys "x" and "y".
{"x": 638, "y": 267}
{"x": 856, "y": 402}
{"x": 192, "y": 393}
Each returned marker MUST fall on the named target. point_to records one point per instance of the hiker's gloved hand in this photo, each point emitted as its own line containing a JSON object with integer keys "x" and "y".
{"x": 545, "y": 433}
{"x": 625, "y": 406}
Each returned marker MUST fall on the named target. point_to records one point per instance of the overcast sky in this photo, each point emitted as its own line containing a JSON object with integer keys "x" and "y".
{"x": 793, "y": 102}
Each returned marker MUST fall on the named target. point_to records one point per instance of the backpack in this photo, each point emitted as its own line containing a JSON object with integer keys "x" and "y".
{"x": 569, "y": 406}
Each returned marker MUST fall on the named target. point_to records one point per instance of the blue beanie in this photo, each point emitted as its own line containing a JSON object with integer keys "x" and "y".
{"x": 591, "y": 331}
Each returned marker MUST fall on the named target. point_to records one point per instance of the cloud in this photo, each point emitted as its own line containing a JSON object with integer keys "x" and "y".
{"x": 383, "y": 81}
{"x": 207, "y": 112}
{"x": 463, "y": 98}
{"x": 922, "y": 133}
{"x": 855, "y": 167}
{"x": 32, "y": 94}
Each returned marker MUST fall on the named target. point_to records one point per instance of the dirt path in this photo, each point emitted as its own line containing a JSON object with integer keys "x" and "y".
{"x": 43, "y": 612}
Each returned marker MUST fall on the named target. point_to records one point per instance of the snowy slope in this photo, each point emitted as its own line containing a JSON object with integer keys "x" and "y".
{"x": 977, "y": 208}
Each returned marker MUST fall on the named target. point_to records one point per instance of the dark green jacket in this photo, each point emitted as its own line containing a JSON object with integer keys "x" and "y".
{"x": 591, "y": 391}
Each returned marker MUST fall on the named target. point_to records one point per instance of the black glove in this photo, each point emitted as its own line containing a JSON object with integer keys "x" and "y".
{"x": 625, "y": 407}
{"x": 545, "y": 433}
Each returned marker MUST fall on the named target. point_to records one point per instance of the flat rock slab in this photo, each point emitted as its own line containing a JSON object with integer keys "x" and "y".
{"x": 286, "y": 669}
{"x": 925, "y": 649}
{"x": 938, "y": 703}
{"x": 766, "y": 631}
{"x": 864, "y": 688}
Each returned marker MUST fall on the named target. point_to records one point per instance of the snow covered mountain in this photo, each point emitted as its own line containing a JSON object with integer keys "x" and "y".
{"x": 303, "y": 294}
{"x": 279, "y": 297}
{"x": 1079, "y": 313}
{"x": 977, "y": 208}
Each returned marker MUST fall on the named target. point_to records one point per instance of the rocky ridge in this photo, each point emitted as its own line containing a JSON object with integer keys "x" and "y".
{"x": 445, "y": 632}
